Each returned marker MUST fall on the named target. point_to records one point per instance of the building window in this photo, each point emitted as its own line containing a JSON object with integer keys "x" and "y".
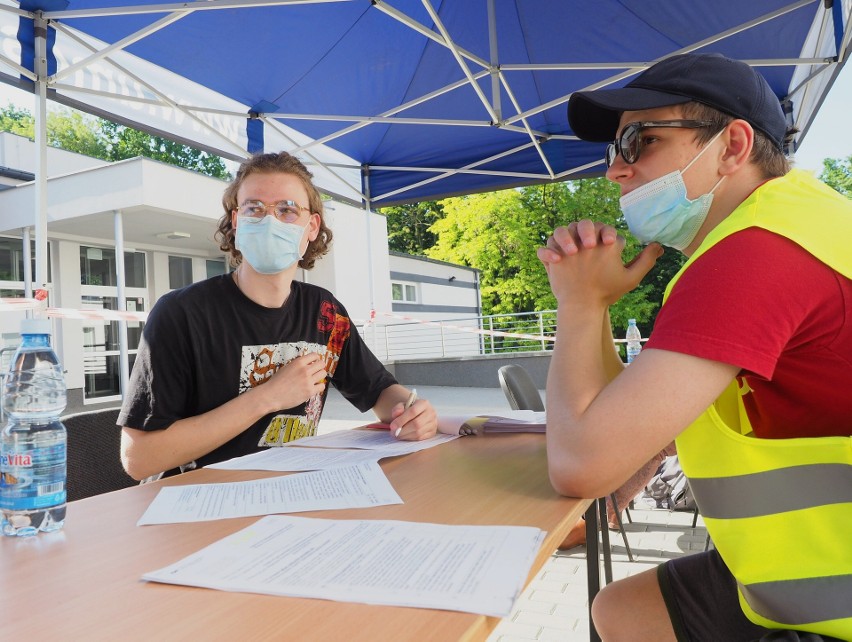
{"x": 403, "y": 292}
{"x": 12, "y": 260}
{"x": 97, "y": 267}
{"x": 215, "y": 268}
{"x": 180, "y": 272}
{"x": 101, "y": 367}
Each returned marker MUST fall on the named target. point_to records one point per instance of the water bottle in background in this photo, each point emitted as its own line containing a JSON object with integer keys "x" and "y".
{"x": 33, "y": 441}
{"x": 634, "y": 340}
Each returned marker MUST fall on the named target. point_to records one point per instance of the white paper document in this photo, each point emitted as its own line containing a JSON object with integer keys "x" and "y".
{"x": 379, "y": 440}
{"x": 297, "y": 459}
{"x": 358, "y": 486}
{"x": 476, "y": 569}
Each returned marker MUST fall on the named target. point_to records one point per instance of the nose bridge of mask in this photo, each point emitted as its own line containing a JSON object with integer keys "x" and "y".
{"x": 671, "y": 183}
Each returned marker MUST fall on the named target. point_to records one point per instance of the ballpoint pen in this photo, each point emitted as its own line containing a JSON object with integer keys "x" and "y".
{"x": 408, "y": 403}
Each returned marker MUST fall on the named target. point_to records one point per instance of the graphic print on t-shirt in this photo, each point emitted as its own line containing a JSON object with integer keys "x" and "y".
{"x": 258, "y": 363}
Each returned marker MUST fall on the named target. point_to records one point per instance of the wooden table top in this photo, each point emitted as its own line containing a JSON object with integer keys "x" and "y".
{"x": 82, "y": 583}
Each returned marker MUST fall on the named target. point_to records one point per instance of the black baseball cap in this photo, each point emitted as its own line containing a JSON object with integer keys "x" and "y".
{"x": 728, "y": 85}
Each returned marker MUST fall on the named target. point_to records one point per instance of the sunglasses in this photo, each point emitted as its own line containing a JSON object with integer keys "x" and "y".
{"x": 629, "y": 142}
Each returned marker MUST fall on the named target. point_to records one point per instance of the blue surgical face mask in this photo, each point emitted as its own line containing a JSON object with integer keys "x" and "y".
{"x": 660, "y": 211}
{"x": 267, "y": 244}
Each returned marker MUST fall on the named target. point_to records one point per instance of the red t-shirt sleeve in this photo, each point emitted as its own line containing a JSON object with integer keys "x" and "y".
{"x": 744, "y": 301}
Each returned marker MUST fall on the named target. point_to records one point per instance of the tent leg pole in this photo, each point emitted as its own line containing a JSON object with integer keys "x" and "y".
{"x": 40, "y": 132}
{"x": 365, "y": 173}
{"x": 121, "y": 304}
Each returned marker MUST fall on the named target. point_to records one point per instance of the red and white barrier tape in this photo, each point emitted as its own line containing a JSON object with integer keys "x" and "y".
{"x": 37, "y": 303}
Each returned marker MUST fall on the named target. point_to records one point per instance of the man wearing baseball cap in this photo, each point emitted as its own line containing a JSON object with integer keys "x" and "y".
{"x": 749, "y": 365}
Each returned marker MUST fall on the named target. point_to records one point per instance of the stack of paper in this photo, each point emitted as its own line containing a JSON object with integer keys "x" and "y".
{"x": 506, "y": 421}
{"x": 475, "y": 569}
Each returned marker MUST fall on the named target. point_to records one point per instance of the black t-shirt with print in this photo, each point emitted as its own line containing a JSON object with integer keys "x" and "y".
{"x": 206, "y": 343}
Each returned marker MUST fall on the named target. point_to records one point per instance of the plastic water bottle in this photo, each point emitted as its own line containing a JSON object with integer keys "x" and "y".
{"x": 33, "y": 441}
{"x": 634, "y": 340}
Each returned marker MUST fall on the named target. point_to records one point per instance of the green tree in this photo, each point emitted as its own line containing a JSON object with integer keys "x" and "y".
{"x": 495, "y": 234}
{"x": 499, "y": 233}
{"x": 75, "y": 132}
{"x": 837, "y": 173}
{"x": 17, "y": 121}
{"x": 125, "y": 142}
{"x": 72, "y": 131}
{"x": 66, "y": 129}
{"x": 408, "y": 226}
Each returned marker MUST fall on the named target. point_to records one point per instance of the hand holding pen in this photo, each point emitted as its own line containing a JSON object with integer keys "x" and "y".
{"x": 408, "y": 403}
{"x": 416, "y": 420}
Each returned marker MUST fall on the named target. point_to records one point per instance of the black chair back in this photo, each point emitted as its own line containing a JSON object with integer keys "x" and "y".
{"x": 94, "y": 463}
{"x": 519, "y": 388}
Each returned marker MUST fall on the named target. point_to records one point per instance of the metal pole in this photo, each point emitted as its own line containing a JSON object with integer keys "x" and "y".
{"x": 28, "y": 264}
{"x": 387, "y": 344}
{"x": 541, "y": 330}
{"x": 365, "y": 176}
{"x": 123, "y": 362}
{"x": 40, "y": 132}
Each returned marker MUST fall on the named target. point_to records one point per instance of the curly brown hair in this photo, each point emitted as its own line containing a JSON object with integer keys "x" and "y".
{"x": 281, "y": 163}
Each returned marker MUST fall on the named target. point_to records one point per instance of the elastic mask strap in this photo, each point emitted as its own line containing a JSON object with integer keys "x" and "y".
{"x": 706, "y": 147}
{"x": 719, "y": 182}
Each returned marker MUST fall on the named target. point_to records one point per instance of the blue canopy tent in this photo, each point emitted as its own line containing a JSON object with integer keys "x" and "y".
{"x": 404, "y": 100}
{"x": 394, "y": 101}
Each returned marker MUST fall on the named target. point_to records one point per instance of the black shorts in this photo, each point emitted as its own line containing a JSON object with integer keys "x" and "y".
{"x": 701, "y": 596}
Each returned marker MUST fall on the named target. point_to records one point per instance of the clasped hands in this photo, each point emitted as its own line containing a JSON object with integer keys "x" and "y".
{"x": 584, "y": 265}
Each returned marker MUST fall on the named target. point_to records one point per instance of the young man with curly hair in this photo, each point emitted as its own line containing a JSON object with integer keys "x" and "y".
{"x": 240, "y": 362}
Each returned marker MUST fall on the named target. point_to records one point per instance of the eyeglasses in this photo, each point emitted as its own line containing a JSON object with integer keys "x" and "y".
{"x": 629, "y": 143}
{"x": 287, "y": 211}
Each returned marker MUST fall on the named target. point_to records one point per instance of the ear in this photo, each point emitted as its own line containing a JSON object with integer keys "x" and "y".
{"x": 739, "y": 141}
{"x": 234, "y": 220}
{"x": 314, "y": 226}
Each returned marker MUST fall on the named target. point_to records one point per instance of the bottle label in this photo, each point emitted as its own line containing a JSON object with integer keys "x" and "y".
{"x": 32, "y": 479}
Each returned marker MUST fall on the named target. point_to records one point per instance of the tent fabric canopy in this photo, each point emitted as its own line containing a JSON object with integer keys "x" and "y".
{"x": 403, "y": 100}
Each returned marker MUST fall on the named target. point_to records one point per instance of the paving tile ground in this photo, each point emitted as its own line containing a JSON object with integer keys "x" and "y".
{"x": 555, "y": 605}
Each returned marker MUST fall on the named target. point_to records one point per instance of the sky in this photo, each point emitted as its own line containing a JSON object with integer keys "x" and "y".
{"x": 830, "y": 135}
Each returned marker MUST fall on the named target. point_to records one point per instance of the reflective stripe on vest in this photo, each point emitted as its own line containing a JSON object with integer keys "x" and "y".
{"x": 774, "y": 491}
{"x": 813, "y": 599}
{"x": 779, "y": 510}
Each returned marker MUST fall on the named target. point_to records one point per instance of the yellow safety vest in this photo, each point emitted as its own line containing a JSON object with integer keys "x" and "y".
{"x": 779, "y": 510}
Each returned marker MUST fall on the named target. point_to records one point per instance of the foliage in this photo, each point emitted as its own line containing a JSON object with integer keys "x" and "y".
{"x": 72, "y": 131}
{"x": 124, "y": 142}
{"x": 17, "y": 121}
{"x": 75, "y": 132}
{"x": 837, "y": 173}
{"x": 498, "y": 233}
{"x": 408, "y": 226}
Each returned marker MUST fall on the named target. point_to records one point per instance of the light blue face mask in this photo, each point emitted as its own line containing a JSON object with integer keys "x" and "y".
{"x": 267, "y": 244}
{"x": 660, "y": 211}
